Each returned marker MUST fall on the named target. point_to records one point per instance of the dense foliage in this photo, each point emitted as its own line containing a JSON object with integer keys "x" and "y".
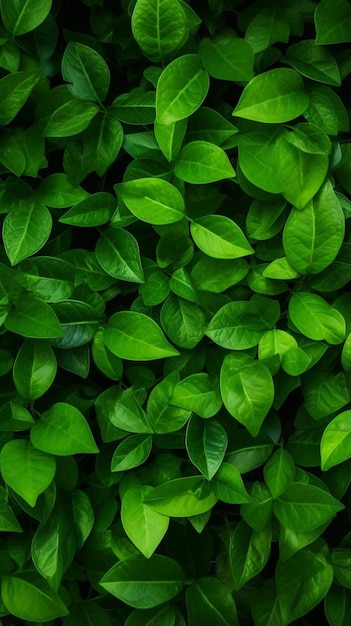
{"x": 175, "y": 348}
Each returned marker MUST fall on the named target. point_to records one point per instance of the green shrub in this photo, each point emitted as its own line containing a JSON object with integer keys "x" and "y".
{"x": 175, "y": 355}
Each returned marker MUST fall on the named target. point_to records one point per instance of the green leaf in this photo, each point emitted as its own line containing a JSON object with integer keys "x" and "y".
{"x": 341, "y": 562}
{"x": 159, "y": 27}
{"x": 144, "y": 583}
{"x": 202, "y": 162}
{"x": 302, "y": 582}
{"x": 136, "y": 336}
{"x": 126, "y": 413}
{"x": 135, "y": 107}
{"x": 315, "y": 318}
{"x": 27, "y": 596}
{"x": 279, "y": 472}
{"x": 199, "y": 393}
{"x": 312, "y": 238}
{"x": 118, "y": 254}
{"x": 305, "y": 507}
{"x": 152, "y": 200}
{"x": 336, "y": 441}
{"x": 257, "y": 512}
{"x": 210, "y": 603}
{"x": 183, "y": 321}
{"x": 182, "y": 497}
{"x": 325, "y": 393}
{"x": 206, "y": 443}
{"x": 79, "y": 322}
{"x": 15, "y": 89}
{"x": 70, "y": 118}
{"x": 247, "y": 390}
{"x": 22, "y": 16}
{"x": 25, "y": 230}
{"x": 170, "y": 137}
{"x": 108, "y": 363}
{"x": 220, "y": 237}
{"x": 26, "y": 470}
{"x": 332, "y": 21}
{"x": 132, "y": 452}
{"x": 326, "y": 110}
{"x": 227, "y": 57}
{"x": 208, "y": 125}
{"x": 270, "y": 161}
{"x": 228, "y": 485}
{"x": 86, "y": 71}
{"x": 273, "y": 96}
{"x": 63, "y": 430}
{"x": 240, "y": 325}
{"x": 249, "y": 552}
{"x": 56, "y": 191}
{"x": 337, "y": 605}
{"x": 34, "y": 369}
{"x": 267, "y": 27}
{"x": 313, "y": 61}
{"x": 144, "y": 527}
{"x": 217, "y": 275}
{"x": 33, "y": 318}
{"x": 95, "y": 210}
{"x": 181, "y": 89}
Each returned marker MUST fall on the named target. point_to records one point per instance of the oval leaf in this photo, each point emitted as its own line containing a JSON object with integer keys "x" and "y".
{"x": 136, "y": 336}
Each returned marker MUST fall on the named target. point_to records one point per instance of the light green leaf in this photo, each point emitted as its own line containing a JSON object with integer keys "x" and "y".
{"x": 305, "y": 507}
{"x": 336, "y": 441}
{"x": 312, "y": 238}
{"x": 136, "y": 336}
{"x": 108, "y": 363}
{"x": 227, "y": 57}
{"x": 86, "y": 71}
{"x": 152, "y": 200}
{"x": 257, "y": 512}
{"x": 27, "y": 596}
{"x": 247, "y": 390}
{"x": 26, "y": 470}
{"x": 25, "y": 230}
{"x": 63, "y": 430}
{"x": 315, "y": 318}
{"x": 118, "y": 254}
{"x": 206, "y": 443}
{"x": 22, "y": 16}
{"x": 273, "y": 96}
{"x": 199, "y": 393}
{"x": 220, "y": 237}
{"x": 159, "y": 27}
{"x": 144, "y": 527}
{"x": 202, "y": 162}
{"x": 240, "y": 325}
{"x": 181, "y": 89}
{"x": 333, "y": 21}
{"x": 34, "y": 369}
{"x": 144, "y": 583}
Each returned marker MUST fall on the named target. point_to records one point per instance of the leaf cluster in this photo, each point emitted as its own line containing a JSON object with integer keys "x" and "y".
{"x": 175, "y": 318}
